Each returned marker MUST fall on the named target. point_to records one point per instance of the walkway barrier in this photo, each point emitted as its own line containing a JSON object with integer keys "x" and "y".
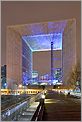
{"x": 15, "y": 110}
{"x": 38, "y": 115}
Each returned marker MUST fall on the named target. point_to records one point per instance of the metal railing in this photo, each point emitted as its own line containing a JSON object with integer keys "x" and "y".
{"x": 15, "y": 110}
{"x": 38, "y": 115}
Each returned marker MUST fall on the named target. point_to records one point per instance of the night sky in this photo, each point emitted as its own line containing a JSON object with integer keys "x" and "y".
{"x": 42, "y": 61}
{"x": 13, "y": 13}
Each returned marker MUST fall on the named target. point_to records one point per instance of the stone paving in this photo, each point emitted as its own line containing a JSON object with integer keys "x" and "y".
{"x": 59, "y": 107}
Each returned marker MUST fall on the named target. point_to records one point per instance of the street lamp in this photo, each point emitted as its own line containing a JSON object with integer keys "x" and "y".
{"x": 20, "y": 86}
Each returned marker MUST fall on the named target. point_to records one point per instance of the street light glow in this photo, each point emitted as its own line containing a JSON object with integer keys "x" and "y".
{"x": 20, "y": 85}
{"x": 43, "y": 96}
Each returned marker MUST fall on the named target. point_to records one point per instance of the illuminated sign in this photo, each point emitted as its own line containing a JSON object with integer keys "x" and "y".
{"x": 34, "y": 75}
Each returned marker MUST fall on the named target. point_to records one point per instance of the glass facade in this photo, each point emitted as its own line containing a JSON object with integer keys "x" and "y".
{"x": 26, "y": 63}
{"x": 3, "y": 76}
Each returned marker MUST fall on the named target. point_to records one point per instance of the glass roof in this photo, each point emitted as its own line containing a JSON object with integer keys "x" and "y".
{"x": 43, "y": 42}
{"x": 40, "y": 35}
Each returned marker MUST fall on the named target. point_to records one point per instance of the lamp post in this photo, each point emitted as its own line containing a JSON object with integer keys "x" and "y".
{"x": 20, "y": 86}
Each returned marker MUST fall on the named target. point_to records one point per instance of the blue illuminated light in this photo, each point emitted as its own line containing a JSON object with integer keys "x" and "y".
{"x": 39, "y": 37}
{"x": 43, "y": 42}
{"x": 25, "y": 78}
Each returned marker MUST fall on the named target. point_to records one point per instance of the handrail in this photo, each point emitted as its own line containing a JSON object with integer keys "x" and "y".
{"x": 14, "y": 105}
{"x": 26, "y": 102}
{"x": 17, "y": 107}
{"x": 39, "y": 111}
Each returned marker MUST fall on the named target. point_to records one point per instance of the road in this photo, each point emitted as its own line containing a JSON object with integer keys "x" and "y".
{"x": 59, "y": 107}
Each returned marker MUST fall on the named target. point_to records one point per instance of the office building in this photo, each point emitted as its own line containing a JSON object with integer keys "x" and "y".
{"x": 24, "y": 40}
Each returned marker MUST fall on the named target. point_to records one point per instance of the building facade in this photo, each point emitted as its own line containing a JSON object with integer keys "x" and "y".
{"x": 3, "y": 77}
{"x": 69, "y": 50}
{"x": 26, "y": 63}
{"x": 18, "y": 59}
{"x": 19, "y": 55}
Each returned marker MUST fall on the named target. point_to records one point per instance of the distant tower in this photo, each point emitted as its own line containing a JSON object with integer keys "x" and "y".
{"x": 52, "y": 73}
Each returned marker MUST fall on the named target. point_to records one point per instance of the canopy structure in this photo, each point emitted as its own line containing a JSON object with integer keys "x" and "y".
{"x": 38, "y": 36}
{"x": 43, "y": 42}
{"x": 41, "y": 35}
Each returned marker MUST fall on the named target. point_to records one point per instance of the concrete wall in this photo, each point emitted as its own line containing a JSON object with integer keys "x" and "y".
{"x": 69, "y": 50}
{"x": 13, "y": 58}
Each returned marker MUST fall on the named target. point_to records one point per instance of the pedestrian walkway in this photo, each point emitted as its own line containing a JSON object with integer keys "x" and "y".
{"x": 59, "y": 107}
{"x": 29, "y": 112}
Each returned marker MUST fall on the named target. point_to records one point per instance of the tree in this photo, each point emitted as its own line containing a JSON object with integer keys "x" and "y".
{"x": 75, "y": 76}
